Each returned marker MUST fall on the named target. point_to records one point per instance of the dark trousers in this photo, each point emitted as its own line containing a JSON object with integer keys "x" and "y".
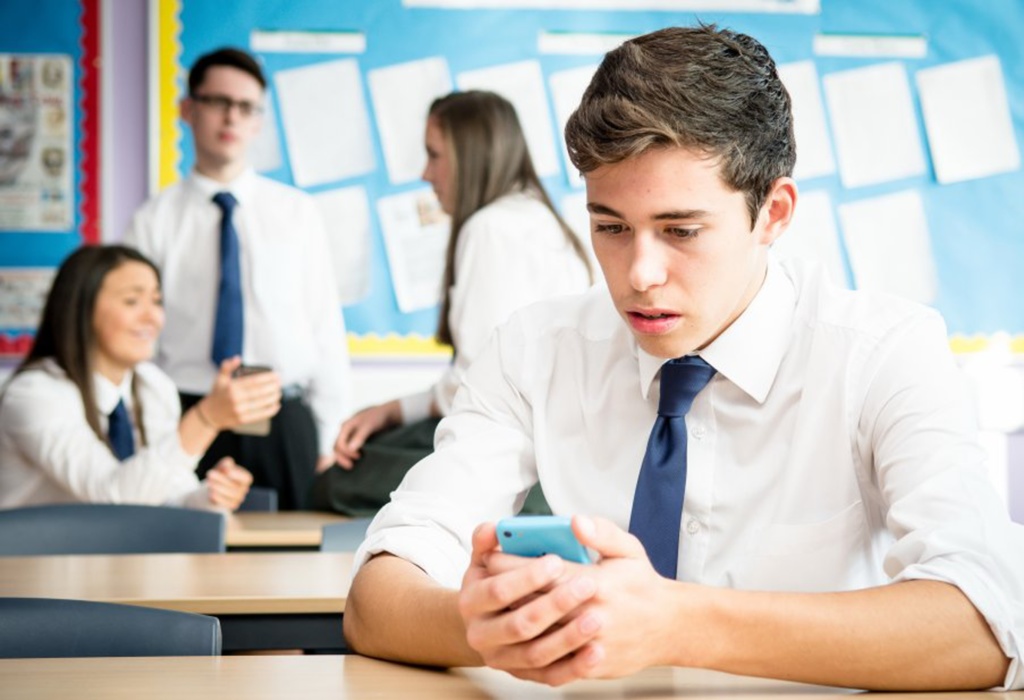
{"x": 284, "y": 460}
{"x": 386, "y": 457}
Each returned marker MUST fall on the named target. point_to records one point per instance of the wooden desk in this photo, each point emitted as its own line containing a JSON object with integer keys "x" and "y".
{"x": 355, "y": 677}
{"x": 285, "y": 530}
{"x": 264, "y": 600}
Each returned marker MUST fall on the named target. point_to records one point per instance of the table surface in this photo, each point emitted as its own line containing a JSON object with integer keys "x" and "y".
{"x": 264, "y": 583}
{"x": 353, "y": 677}
{"x": 281, "y": 529}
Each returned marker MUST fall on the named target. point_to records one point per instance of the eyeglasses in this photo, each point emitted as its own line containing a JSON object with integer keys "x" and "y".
{"x": 223, "y": 104}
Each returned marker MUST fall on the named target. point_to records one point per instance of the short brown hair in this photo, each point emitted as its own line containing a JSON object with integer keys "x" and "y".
{"x": 714, "y": 91}
{"x": 226, "y": 56}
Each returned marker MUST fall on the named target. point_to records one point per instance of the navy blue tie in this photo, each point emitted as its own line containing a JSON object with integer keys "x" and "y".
{"x": 228, "y": 325}
{"x": 658, "y": 501}
{"x": 119, "y": 430}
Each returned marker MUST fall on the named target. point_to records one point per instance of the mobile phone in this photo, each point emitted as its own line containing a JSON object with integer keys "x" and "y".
{"x": 260, "y": 428}
{"x": 537, "y": 535}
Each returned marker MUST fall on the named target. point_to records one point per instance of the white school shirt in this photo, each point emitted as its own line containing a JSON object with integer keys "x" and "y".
{"x": 510, "y": 254}
{"x": 835, "y": 449}
{"x": 293, "y": 319}
{"x": 49, "y": 454}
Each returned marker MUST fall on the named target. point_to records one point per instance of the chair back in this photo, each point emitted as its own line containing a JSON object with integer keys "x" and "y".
{"x": 345, "y": 536}
{"x": 261, "y": 499}
{"x": 92, "y": 528}
{"x": 51, "y": 628}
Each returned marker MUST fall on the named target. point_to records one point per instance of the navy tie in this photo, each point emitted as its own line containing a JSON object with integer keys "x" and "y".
{"x": 119, "y": 430}
{"x": 658, "y": 501}
{"x": 228, "y": 325}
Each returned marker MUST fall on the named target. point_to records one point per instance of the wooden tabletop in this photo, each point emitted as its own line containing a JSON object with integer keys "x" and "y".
{"x": 354, "y": 678}
{"x": 214, "y": 584}
{"x": 281, "y": 529}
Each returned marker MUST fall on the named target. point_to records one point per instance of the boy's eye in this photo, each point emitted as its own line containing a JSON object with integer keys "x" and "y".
{"x": 679, "y": 232}
{"x": 608, "y": 228}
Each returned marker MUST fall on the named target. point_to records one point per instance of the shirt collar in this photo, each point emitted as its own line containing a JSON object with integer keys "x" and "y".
{"x": 240, "y": 187}
{"x": 108, "y": 393}
{"x": 765, "y": 325}
{"x": 749, "y": 352}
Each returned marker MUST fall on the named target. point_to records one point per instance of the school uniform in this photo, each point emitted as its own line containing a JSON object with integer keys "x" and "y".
{"x": 292, "y": 316}
{"x": 49, "y": 454}
{"x": 510, "y": 254}
{"x": 835, "y": 449}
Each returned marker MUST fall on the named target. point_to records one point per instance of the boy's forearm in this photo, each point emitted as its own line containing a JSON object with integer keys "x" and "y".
{"x": 395, "y": 611}
{"x": 915, "y": 635}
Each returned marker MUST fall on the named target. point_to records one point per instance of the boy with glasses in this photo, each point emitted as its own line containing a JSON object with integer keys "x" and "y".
{"x": 246, "y": 270}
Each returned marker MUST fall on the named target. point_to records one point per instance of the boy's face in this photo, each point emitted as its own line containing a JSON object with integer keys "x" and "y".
{"x": 222, "y": 135}
{"x": 676, "y": 246}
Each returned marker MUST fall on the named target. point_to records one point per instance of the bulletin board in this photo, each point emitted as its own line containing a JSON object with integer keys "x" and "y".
{"x": 902, "y": 187}
{"x": 49, "y": 170}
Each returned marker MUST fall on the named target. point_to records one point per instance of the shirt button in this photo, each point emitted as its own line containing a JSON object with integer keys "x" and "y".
{"x": 693, "y": 526}
{"x": 698, "y": 432}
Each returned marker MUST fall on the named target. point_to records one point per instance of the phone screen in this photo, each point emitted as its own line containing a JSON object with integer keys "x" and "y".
{"x": 260, "y": 428}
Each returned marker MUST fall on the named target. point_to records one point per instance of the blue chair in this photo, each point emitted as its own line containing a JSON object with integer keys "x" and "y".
{"x": 344, "y": 537}
{"x": 260, "y": 499}
{"x": 51, "y": 628}
{"x": 91, "y": 528}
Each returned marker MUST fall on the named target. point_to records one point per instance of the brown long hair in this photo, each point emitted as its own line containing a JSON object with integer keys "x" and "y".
{"x": 714, "y": 91}
{"x": 66, "y": 333}
{"x": 491, "y": 159}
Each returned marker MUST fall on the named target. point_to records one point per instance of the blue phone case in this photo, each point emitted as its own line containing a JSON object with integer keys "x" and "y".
{"x": 537, "y": 535}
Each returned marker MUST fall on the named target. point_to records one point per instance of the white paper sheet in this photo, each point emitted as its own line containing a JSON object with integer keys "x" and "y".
{"x": 265, "y": 154}
{"x": 813, "y": 146}
{"x": 874, "y": 124}
{"x": 415, "y": 238}
{"x": 887, "y": 241}
{"x": 864, "y": 45}
{"x": 579, "y": 43}
{"x": 401, "y": 97}
{"x": 522, "y": 84}
{"x": 306, "y": 42}
{"x": 325, "y": 122}
{"x": 567, "y": 87}
{"x": 772, "y": 6}
{"x": 346, "y": 214}
{"x": 812, "y": 235}
{"x": 967, "y": 117}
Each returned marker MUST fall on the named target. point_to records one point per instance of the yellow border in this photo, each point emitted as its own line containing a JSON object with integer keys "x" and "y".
{"x": 967, "y": 345}
{"x": 393, "y": 345}
{"x": 169, "y": 42}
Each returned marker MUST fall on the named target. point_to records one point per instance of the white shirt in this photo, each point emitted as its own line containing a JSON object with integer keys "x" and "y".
{"x": 510, "y": 254}
{"x": 293, "y": 319}
{"x": 835, "y": 449}
{"x": 49, "y": 454}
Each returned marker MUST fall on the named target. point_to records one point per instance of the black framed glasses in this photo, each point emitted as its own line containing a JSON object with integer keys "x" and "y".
{"x": 223, "y": 104}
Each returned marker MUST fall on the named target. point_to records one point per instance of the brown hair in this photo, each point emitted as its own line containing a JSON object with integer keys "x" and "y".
{"x": 491, "y": 159}
{"x": 714, "y": 91}
{"x": 226, "y": 56}
{"x": 66, "y": 333}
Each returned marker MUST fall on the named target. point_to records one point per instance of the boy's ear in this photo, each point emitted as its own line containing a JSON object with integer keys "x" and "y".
{"x": 778, "y": 209}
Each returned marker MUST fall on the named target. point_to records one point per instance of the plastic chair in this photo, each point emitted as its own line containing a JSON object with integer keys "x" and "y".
{"x": 260, "y": 499}
{"x": 51, "y": 628}
{"x": 90, "y": 528}
{"x": 344, "y": 537}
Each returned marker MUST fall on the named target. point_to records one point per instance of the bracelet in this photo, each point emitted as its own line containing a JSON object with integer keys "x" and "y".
{"x": 202, "y": 416}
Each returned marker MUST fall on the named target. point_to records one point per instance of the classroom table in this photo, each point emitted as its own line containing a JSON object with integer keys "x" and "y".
{"x": 267, "y": 600}
{"x": 355, "y": 677}
{"x": 283, "y": 530}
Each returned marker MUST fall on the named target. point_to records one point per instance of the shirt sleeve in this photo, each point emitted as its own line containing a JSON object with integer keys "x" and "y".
{"x": 496, "y": 273}
{"x": 45, "y": 422}
{"x": 949, "y": 523}
{"x": 482, "y": 468}
{"x": 330, "y": 387}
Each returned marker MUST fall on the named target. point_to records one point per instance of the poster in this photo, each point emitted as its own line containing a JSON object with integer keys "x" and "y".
{"x": 36, "y": 157}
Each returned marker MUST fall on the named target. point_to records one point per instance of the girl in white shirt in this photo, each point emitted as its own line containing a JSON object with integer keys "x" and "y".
{"x": 508, "y": 248}
{"x": 87, "y": 374}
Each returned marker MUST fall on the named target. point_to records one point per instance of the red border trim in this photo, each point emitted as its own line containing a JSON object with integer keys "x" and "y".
{"x": 89, "y": 148}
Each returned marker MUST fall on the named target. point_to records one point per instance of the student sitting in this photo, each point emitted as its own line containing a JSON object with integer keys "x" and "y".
{"x": 86, "y": 417}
